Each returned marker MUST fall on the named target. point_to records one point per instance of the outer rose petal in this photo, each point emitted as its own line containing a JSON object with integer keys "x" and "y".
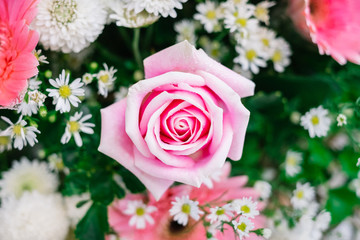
{"x": 117, "y": 145}
{"x": 185, "y": 58}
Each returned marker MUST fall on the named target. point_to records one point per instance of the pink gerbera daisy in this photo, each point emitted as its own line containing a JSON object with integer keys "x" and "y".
{"x": 17, "y": 41}
{"x": 335, "y": 27}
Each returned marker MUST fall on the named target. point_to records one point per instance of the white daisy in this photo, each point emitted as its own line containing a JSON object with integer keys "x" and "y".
{"x": 251, "y": 57}
{"x": 27, "y": 107}
{"x": 28, "y": 176}
{"x": 39, "y": 57}
{"x": 209, "y": 15}
{"x": 75, "y": 125}
{"x": 292, "y": 163}
{"x": 125, "y": 17}
{"x": 266, "y": 36}
{"x": 75, "y": 214}
{"x": 140, "y": 214}
{"x": 266, "y": 233}
{"x": 262, "y": 11}
{"x": 316, "y": 121}
{"x": 87, "y": 78}
{"x": 185, "y": 31}
{"x": 183, "y": 208}
{"x": 302, "y": 195}
{"x": 56, "y": 163}
{"x": 280, "y": 54}
{"x": 33, "y": 216}
{"x": 164, "y": 8}
{"x": 69, "y": 25}
{"x": 21, "y": 134}
{"x": 241, "y": 20}
{"x": 65, "y": 94}
{"x": 218, "y": 214}
{"x": 264, "y": 188}
{"x": 341, "y": 120}
{"x": 246, "y": 207}
{"x": 106, "y": 80}
{"x": 34, "y": 83}
{"x": 243, "y": 226}
{"x": 5, "y": 142}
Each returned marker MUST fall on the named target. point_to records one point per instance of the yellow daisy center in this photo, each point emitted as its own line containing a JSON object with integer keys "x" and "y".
{"x": 64, "y": 91}
{"x": 300, "y": 194}
{"x": 277, "y": 56}
{"x": 241, "y": 21}
{"x": 315, "y": 120}
{"x": 245, "y": 209}
{"x": 260, "y": 12}
{"x": 220, "y": 212}
{"x": 104, "y": 78}
{"x": 211, "y": 14}
{"x": 17, "y": 129}
{"x": 242, "y": 227}
{"x": 140, "y": 211}
{"x": 251, "y": 55}
{"x": 266, "y": 42}
{"x": 186, "y": 208}
{"x": 291, "y": 161}
{"x": 4, "y": 140}
{"x": 74, "y": 126}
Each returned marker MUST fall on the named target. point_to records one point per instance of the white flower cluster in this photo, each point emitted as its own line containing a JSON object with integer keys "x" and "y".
{"x": 33, "y": 99}
{"x": 31, "y": 208}
{"x": 140, "y": 214}
{"x": 316, "y": 121}
{"x": 255, "y": 43}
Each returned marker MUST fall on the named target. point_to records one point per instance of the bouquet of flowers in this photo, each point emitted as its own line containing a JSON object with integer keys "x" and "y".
{"x": 179, "y": 119}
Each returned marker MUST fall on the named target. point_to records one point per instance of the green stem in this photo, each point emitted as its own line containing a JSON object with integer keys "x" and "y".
{"x": 135, "y": 48}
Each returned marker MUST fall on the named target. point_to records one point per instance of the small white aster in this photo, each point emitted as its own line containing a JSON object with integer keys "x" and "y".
{"x": 56, "y": 163}
{"x": 87, "y": 78}
{"x": 69, "y": 25}
{"x": 39, "y": 57}
{"x": 292, "y": 163}
{"x": 209, "y": 15}
{"x": 267, "y": 38}
{"x": 140, "y": 214}
{"x": 164, "y": 8}
{"x": 302, "y": 195}
{"x": 218, "y": 214}
{"x": 241, "y": 20}
{"x": 33, "y": 216}
{"x": 106, "y": 80}
{"x": 341, "y": 120}
{"x": 243, "y": 226}
{"x": 37, "y": 97}
{"x": 34, "y": 83}
{"x": 5, "y": 142}
{"x": 28, "y": 176}
{"x": 280, "y": 54}
{"x": 75, "y": 125}
{"x": 316, "y": 121}
{"x": 264, "y": 188}
{"x": 21, "y": 134}
{"x": 262, "y": 11}
{"x": 251, "y": 57}
{"x": 246, "y": 207}
{"x": 185, "y": 31}
{"x": 28, "y": 107}
{"x": 65, "y": 94}
{"x": 183, "y": 208}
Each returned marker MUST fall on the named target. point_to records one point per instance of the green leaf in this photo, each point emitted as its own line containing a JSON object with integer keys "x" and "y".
{"x": 319, "y": 154}
{"x": 340, "y": 204}
{"x": 119, "y": 192}
{"x": 75, "y": 183}
{"x": 348, "y": 162}
{"x": 94, "y": 224}
{"x": 131, "y": 182}
{"x": 101, "y": 188}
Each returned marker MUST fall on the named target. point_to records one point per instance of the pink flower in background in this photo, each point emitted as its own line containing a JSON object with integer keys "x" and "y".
{"x": 335, "y": 27}
{"x": 181, "y": 122}
{"x": 17, "y": 41}
{"x": 295, "y": 11}
{"x": 164, "y": 228}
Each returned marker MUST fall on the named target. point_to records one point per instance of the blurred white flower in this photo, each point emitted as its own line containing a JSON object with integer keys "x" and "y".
{"x": 155, "y": 7}
{"x": 246, "y": 206}
{"x": 34, "y": 83}
{"x": 56, "y": 163}
{"x": 87, "y": 78}
{"x": 33, "y": 217}
{"x": 75, "y": 125}
{"x": 27, "y": 176}
{"x": 209, "y": 15}
{"x": 69, "y": 25}
{"x": 241, "y": 20}
{"x": 302, "y": 195}
{"x": 243, "y": 226}
{"x": 185, "y": 31}
{"x": 75, "y": 214}
{"x": 264, "y": 188}
{"x": 121, "y": 94}
{"x": 261, "y": 11}
{"x": 183, "y": 208}
{"x": 65, "y": 94}
{"x": 140, "y": 214}
{"x": 280, "y": 54}
{"x": 292, "y": 163}
{"x": 5, "y": 142}
{"x": 341, "y": 120}
{"x": 316, "y": 121}
{"x": 251, "y": 57}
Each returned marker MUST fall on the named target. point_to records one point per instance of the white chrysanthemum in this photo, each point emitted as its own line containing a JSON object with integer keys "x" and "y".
{"x": 28, "y": 176}
{"x": 261, "y": 11}
{"x": 264, "y": 188}
{"x": 5, "y": 142}
{"x": 75, "y": 125}
{"x": 185, "y": 31}
{"x": 106, "y": 80}
{"x": 21, "y": 134}
{"x": 241, "y": 20}
{"x": 74, "y": 213}
{"x": 69, "y": 25}
{"x": 251, "y": 57}
{"x": 292, "y": 163}
{"x": 218, "y": 214}
{"x": 243, "y": 226}
{"x": 316, "y": 121}
{"x": 302, "y": 196}
{"x": 65, "y": 94}
{"x": 33, "y": 217}
{"x": 164, "y": 8}
{"x": 140, "y": 214}
{"x": 280, "y": 54}
{"x": 125, "y": 17}
{"x": 183, "y": 208}
{"x": 246, "y": 207}
{"x": 209, "y": 15}
{"x": 341, "y": 120}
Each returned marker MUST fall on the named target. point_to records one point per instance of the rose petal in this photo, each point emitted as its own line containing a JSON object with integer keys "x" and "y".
{"x": 184, "y": 57}
{"x": 117, "y": 145}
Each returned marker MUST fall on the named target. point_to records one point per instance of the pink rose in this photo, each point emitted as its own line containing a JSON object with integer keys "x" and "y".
{"x": 181, "y": 122}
